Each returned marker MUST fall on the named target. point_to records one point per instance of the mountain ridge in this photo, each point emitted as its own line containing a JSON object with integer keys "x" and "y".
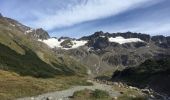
{"x": 108, "y": 51}
{"x": 12, "y": 36}
{"x": 102, "y": 49}
{"x": 31, "y": 54}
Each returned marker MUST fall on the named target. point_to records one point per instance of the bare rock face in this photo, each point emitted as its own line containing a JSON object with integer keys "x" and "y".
{"x": 1, "y": 15}
{"x": 42, "y": 33}
{"x": 38, "y": 34}
{"x": 161, "y": 41}
{"x": 30, "y": 32}
{"x": 102, "y": 55}
{"x": 101, "y": 43}
{"x": 17, "y": 25}
{"x": 146, "y": 75}
{"x": 67, "y": 43}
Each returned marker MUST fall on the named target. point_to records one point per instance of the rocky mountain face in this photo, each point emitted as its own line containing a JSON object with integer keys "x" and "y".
{"x": 1, "y": 15}
{"x": 31, "y": 52}
{"x": 147, "y": 74}
{"x": 103, "y": 52}
{"x": 38, "y": 33}
{"x": 137, "y": 59}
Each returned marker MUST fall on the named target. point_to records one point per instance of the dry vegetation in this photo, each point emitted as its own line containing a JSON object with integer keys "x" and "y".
{"x": 91, "y": 95}
{"x": 13, "y": 85}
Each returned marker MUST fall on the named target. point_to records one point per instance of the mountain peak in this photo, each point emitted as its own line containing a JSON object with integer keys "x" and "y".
{"x": 1, "y": 15}
{"x": 38, "y": 33}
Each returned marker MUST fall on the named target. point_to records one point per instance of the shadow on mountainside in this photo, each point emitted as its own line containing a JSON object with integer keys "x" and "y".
{"x": 154, "y": 74}
{"x": 27, "y": 65}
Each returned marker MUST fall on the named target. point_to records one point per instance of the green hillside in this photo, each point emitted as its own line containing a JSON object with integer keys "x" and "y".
{"x": 29, "y": 65}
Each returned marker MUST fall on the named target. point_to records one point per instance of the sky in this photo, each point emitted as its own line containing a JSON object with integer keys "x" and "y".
{"x": 76, "y": 18}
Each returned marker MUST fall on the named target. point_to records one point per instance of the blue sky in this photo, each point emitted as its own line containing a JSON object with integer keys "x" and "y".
{"x": 76, "y": 18}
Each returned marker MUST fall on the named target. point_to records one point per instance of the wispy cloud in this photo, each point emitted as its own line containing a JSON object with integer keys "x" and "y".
{"x": 81, "y": 17}
{"x": 84, "y": 11}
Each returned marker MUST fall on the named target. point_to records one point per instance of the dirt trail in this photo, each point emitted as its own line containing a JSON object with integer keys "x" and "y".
{"x": 65, "y": 94}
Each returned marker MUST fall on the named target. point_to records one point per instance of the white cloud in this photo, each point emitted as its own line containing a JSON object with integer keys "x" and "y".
{"x": 82, "y": 12}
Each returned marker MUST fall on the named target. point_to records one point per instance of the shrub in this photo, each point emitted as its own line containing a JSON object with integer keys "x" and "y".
{"x": 100, "y": 94}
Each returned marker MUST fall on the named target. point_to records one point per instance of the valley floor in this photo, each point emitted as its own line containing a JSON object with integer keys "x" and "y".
{"x": 65, "y": 94}
{"x": 115, "y": 90}
{"x": 14, "y": 86}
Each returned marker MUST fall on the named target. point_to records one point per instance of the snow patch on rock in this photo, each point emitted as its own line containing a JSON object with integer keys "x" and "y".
{"x": 54, "y": 42}
{"x": 122, "y": 40}
{"x": 77, "y": 43}
{"x": 29, "y": 31}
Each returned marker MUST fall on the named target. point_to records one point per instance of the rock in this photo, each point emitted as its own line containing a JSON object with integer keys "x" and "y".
{"x": 146, "y": 91}
{"x": 17, "y": 24}
{"x": 37, "y": 34}
{"x": 152, "y": 96}
{"x": 67, "y": 44}
{"x": 161, "y": 41}
{"x": 115, "y": 83}
{"x": 134, "y": 88}
{"x": 66, "y": 38}
{"x": 32, "y": 98}
{"x": 139, "y": 44}
{"x": 42, "y": 34}
{"x": 1, "y": 15}
{"x": 130, "y": 87}
{"x": 49, "y": 98}
{"x": 115, "y": 98}
{"x": 101, "y": 43}
{"x": 133, "y": 96}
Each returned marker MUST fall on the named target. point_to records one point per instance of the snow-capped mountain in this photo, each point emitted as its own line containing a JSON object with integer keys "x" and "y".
{"x": 73, "y": 44}
{"x": 21, "y": 49}
{"x": 31, "y": 52}
{"x": 103, "y": 52}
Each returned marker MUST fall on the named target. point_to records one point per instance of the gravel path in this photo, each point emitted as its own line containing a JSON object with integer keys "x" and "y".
{"x": 65, "y": 94}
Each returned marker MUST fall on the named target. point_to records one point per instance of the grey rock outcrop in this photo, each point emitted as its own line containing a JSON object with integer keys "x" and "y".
{"x": 38, "y": 33}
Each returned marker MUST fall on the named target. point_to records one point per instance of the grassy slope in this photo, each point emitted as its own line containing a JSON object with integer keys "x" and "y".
{"x": 28, "y": 67}
{"x": 30, "y": 57}
{"x": 13, "y": 85}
